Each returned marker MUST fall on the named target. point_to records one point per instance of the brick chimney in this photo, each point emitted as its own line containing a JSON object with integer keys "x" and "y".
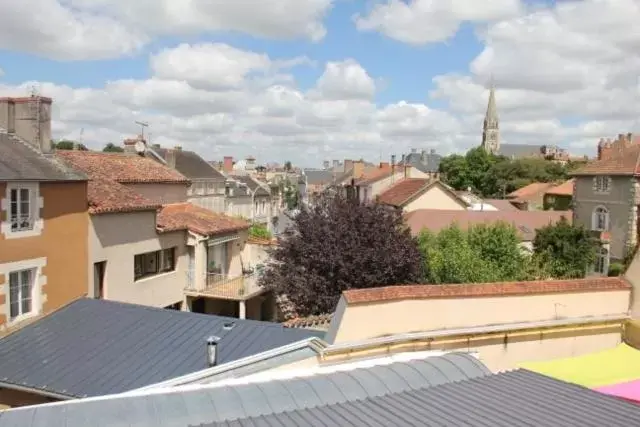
{"x": 227, "y": 164}
{"x": 358, "y": 168}
{"x": 29, "y": 118}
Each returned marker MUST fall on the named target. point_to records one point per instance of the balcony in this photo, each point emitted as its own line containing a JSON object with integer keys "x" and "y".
{"x": 238, "y": 288}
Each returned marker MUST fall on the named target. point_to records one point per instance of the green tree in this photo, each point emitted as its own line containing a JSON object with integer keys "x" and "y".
{"x": 287, "y": 166}
{"x": 563, "y": 250}
{"x": 291, "y": 195}
{"x": 112, "y": 148}
{"x": 65, "y": 144}
{"x": 482, "y": 253}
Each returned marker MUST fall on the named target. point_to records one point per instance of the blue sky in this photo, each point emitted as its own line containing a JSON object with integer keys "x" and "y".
{"x": 528, "y": 48}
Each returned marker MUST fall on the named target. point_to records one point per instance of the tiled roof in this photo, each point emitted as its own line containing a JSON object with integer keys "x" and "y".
{"x": 564, "y": 189}
{"x": 532, "y": 190}
{"x": 403, "y": 191}
{"x": 106, "y": 196}
{"x": 121, "y": 167}
{"x": 500, "y": 204}
{"x": 625, "y": 163}
{"x": 374, "y": 175}
{"x": 96, "y": 347}
{"x": 525, "y": 222}
{"x": 185, "y": 216}
{"x": 19, "y": 161}
{"x": 319, "y": 322}
{"x": 466, "y": 290}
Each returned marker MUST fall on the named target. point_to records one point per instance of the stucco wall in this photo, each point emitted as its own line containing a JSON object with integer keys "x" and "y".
{"x": 435, "y": 198}
{"x": 61, "y": 248}
{"x": 617, "y": 201}
{"x": 116, "y": 239}
{"x": 164, "y": 193}
{"x": 362, "y": 321}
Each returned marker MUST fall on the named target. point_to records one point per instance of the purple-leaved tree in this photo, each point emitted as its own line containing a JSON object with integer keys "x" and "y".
{"x": 341, "y": 244}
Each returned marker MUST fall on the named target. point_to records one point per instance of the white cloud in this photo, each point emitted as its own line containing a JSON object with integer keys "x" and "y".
{"x": 429, "y": 21}
{"x": 101, "y": 29}
{"x": 346, "y": 80}
{"x": 566, "y": 74}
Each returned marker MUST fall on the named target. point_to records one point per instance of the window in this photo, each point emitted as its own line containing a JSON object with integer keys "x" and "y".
{"x": 21, "y": 293}
{"x": 602, "y": 261}
{"x": 602, "y": 184}
{"x": 151, "y": 263}
{"x": 20, "y": 209}
{"x": 600, "y": 219}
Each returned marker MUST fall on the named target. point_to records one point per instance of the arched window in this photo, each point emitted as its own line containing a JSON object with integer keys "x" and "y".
{"x": 602, "y": 261}
{"x": 600, "y": 219}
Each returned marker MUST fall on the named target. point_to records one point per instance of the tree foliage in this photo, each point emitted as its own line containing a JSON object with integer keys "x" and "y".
{"x": 564, "y": 250}
{"x": 290, "y": 194}
{"x": 112, "y": 148}
{"x": 495, "y": 176}
{"x": 65, "y": 144}
{"x": 482, "y": 253}
{"x": 259, "y": 231}
{"x": 341, "y": 244}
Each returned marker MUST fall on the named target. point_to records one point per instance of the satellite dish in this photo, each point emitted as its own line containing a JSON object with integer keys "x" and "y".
{"x": 140, "y": 147}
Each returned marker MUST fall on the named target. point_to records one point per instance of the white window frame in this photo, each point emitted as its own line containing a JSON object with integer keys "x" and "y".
{"x": 22, "y": 285}
{"x": 600, "y": 216}
{"x": 602, "y": 184}
{"x": 35, "y": 205}
{"x": 154, "y": 263}
{"x": 38, "y": 283}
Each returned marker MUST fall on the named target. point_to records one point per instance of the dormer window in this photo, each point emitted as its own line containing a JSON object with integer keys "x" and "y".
{"x": 602, "y": 184}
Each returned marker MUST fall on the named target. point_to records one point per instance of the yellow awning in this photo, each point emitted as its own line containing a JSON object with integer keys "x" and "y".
{"x": 613, "y": 366}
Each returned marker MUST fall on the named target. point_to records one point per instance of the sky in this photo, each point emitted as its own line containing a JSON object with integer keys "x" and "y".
{"x": 314, "y": 80}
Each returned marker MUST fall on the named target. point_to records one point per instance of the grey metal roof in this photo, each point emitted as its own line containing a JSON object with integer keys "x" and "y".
{"x": 252, "y": 185}
{"x": 519, "y": 150}
{"x": 21, "y": 162}
{"x": 226, "y": 403}
{"x": 96, "y": 347}
{"x": 191, "y": 165}
{"x": 513, "y": 399}
{"x": 424, "y": 161}
{"x": 318, "y": 176}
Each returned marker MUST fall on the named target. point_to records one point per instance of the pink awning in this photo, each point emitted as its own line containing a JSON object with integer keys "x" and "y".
{"x": 629, "y": 390}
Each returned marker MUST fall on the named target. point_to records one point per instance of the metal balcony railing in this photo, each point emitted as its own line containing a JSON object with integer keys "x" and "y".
{"x": 22, "y": 222}
{"x": 222, "y": 286}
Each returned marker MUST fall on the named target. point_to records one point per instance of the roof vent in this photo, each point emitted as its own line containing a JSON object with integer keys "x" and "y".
{"x": 212, "y": 351}
{"x": 227, "y": 326}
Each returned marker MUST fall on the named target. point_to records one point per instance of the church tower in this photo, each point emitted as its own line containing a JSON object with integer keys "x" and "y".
{"x": 491, "y": 129}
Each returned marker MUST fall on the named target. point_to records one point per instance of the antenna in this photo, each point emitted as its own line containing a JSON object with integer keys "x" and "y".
{"x": 142, "y": 125}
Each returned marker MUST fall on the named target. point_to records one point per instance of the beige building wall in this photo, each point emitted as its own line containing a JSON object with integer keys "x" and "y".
{"x": 362, "y": 321}
{"x": 116, "y": 239}
{"x": 164, "y": 193}
{"x": 435, "y": 198}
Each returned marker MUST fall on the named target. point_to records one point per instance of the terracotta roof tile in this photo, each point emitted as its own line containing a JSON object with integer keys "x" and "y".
{"x": 398, "y": 194}
{"x": 627, "y": 162}
{"x": 319, "y": 322}
{"x": 426, "y": 291}
{"x": 121, "y": 167}
{"x": 106, "y": 196}
{"x": 526, "y": 222}
{"x": 185, "y": 216}
{"x": 564, "y": 189}
{"x": 531, "y": 190}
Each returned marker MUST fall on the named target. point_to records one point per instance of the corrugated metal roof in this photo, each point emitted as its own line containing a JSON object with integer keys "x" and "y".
{"x": 512, "y": 399}
{"x": 190, "y": 406}
{"x": 96, "y": 347}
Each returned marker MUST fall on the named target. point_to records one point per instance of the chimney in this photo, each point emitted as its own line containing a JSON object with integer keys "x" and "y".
{"x": 348, "y": 164}
{"x": 227, "y": 164}
{"x": 393, "y": 163}
{"x": 384, "y": 165}
{"x": 414, "y": 150}
{"x": 402, "y": 161}
{"x": 336, "y": 163}
{"x": 178, "y": 148}
{"x": 29, "y": 118}
{"x": 130, "y": 145}
{"x": 326, "y": 164}
{"x": 358, "y": 168}
{"x": 212, "y": 351}
{"x": 170, "y": 158}
{"x": 423, "y": 156}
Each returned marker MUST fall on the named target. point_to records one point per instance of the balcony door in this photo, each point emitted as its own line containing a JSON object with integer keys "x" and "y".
{"x": 217, "y": 259}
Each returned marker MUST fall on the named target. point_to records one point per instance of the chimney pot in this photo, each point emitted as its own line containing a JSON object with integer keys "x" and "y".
{"x": 212, "y": 351}
{"x": 178, "y": 147}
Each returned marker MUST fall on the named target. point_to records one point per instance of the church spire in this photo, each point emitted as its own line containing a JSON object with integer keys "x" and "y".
{"x": 491, "y": 129}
